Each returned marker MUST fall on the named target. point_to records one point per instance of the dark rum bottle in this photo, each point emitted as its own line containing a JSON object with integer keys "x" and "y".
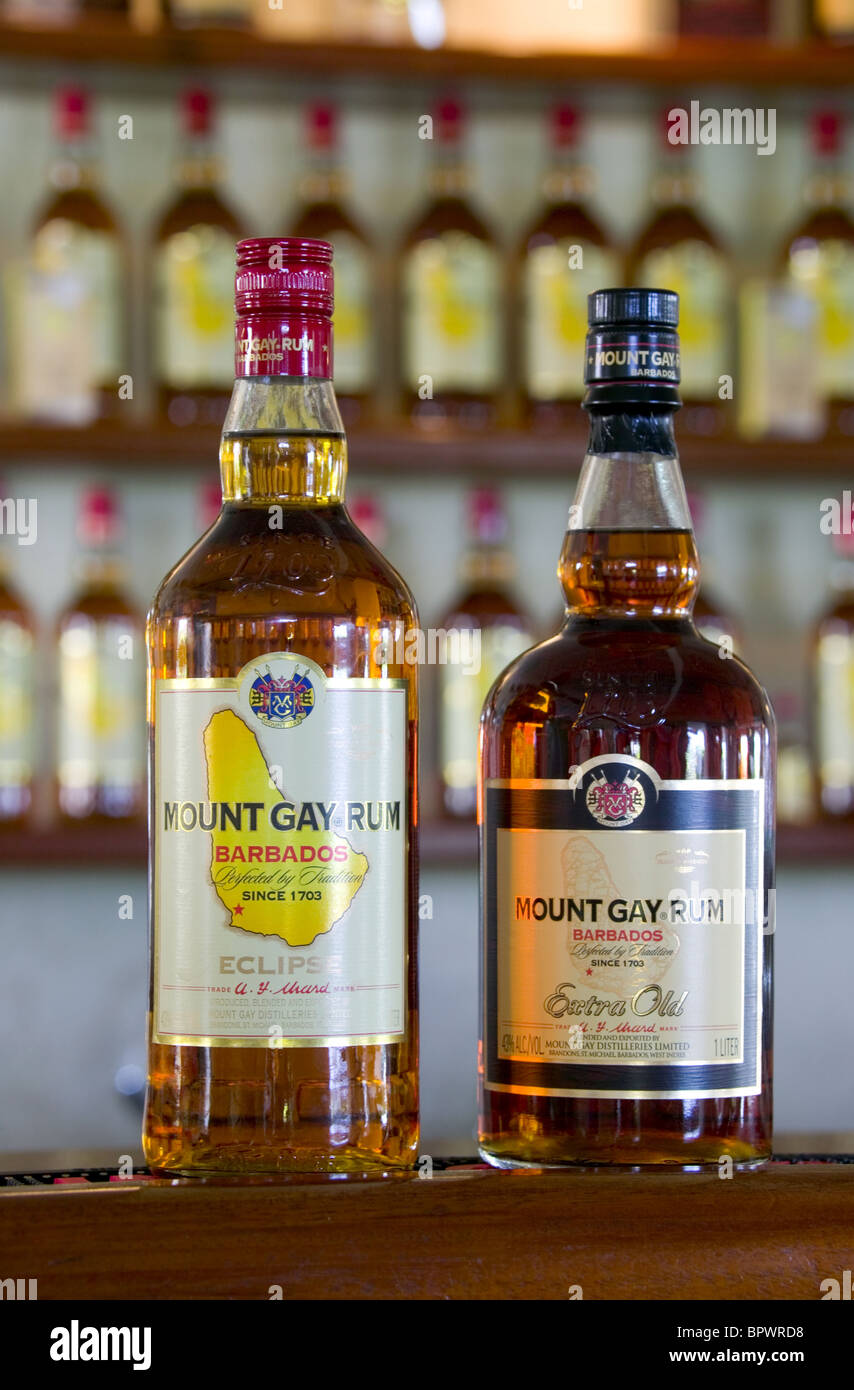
{"x": 283, "y": 1032}
{"x": 627, "y": 822}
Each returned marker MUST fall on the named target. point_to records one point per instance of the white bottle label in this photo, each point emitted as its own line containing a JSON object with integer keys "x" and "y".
{"x": 280, "y": 853}
{"x": 351, "y": 323}
{"x": 194, "y": 329}
{"x": 452, "y": 328}
{"x": 698, "y": 274}
{"x": 824, "y": 272}
{"x": 101, "y": 741}
{"x": 462, "y": 693}
{"x": 624, "y": 921}
{"x": 557, "y": 278}
{"x": 17, "y": 702}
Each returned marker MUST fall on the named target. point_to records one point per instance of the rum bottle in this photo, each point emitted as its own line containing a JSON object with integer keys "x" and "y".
{"x": 324, "y": 214}
{"x": 818, "y": 261}
{"x": 564, "y": 255}
{"x": 451, "y": 295}
{"x": 677, "y": 247}
{"x": 194, "y": 279}
{"x": 832, "y": 662}
{"x": 100, "y": 741}
{"x": 18, "y": 697}
{"x": 626, "y": 809}
{"x": 283, "y": 1028}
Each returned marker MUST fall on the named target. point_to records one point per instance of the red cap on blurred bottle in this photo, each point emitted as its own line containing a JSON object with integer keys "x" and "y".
{"x": 321, "y": 125}
{"x": 826, "y": 132}
{"x": 100, "y": 520}
{"x": 449, "y": 120}
{"x": 368, "y": 515}
{"x": 487, "y": 516}
{"x": 210, "y": 503}
{"x": 566, "y": 124}
{"x": 71, "y": 112}
{"x": 197, "y": 111}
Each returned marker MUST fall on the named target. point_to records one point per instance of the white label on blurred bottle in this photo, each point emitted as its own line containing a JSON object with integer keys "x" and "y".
{"x": 698, "y": 274}
{"x": 194, "y": 329}
{"x": 101, "y": 705}
{"x": 555, "y": 322}
{"x": 17, "y": 700}
{"x": 835, "y": 713}
{"x": 824, "y": 271}
{"x": 462, "y": 697}
{"x": 354, "y": 363}
{"x": 452, "y": 328}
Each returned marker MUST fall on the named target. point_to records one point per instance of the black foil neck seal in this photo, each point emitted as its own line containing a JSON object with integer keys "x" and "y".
{"x": 631, "y": 355}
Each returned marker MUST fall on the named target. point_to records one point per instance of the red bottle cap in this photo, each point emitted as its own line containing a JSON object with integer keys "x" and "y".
{"x": 449, "y": 121}
{"x": 487, "y": 517}
{"x": 197, "y": 111}
{"x": 71, "y": 112}
{"x": 566, "y": 124}
{"x": 283, "y": 299}
{"x": 210, "y": 503}
{"x": 321, "y": 125}
{"x": 100, "y": 517}
{"x": 367, "y": 513}
{"x": 826, "y": 132}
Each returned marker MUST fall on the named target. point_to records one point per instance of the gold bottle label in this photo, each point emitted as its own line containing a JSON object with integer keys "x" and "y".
{"x": 624, "y": 919}
{"x": 280, "y": 850}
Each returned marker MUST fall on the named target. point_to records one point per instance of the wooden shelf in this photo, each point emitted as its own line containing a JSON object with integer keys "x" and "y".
{"x": 774, "y": 1234}
{"x": 444, "y": 844}
{"x": 110, "y": 40}
{"x": 402, "y": 449}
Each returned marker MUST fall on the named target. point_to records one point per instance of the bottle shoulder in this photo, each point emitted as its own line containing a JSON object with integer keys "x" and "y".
{"x": 314, "y": 560}
{"x": 666, "y": 673}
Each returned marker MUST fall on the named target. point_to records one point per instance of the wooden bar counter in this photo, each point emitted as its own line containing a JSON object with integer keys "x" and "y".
{"x": 466, "y": 1232}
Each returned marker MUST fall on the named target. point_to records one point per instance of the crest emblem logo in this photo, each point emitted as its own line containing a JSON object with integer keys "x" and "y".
{"x": 281, "y": 702}
{"x": 615, "y": 803}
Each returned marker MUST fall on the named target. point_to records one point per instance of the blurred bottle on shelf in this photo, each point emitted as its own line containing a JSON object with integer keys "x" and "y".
{"x": 833, "y": 687}
{"x": 779, "y": 394}
{"x": 209, "y": 503}
{"x": 194, "y": 280}
{"x": 818, "y": 262}
{"x": 367, "y": 513}
{"x": 452, "y": 328}
{"x": 711, "y": 617}
{"x": 101, "y": 734}
{"x": 833, "y": 19}
{"x": 324, "y": 215}
{"x": 564, "y": 256}
{"x": 67, "y": 302}
{"x": 17, "y": 683}
{"x": 677, "y": 249}
{"x": 795, "y": 783}
{"x": 493, "y": 630}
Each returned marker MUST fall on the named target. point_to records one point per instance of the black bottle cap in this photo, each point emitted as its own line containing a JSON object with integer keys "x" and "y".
{"x": 650, "y": 307}
{"x": 631, "y": 357}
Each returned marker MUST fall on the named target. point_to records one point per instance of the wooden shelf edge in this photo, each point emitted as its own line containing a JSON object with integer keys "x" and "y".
{"x": 402, "y": 449}
{"x": 443, "y": 844}
{"x": 106, "y": 39}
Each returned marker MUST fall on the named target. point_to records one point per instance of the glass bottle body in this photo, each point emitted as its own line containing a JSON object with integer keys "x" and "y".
{"x": 315, "y": 586}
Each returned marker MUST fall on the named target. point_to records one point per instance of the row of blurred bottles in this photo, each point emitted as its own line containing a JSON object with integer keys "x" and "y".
{"x": 475, "y": 23}
{"x": 97, "y": 736}
{"x": 481, "y": 337}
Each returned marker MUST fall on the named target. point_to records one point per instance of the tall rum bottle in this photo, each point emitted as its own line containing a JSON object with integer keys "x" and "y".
{"x": 324, "y": 214}
{"x": 283, "y": 1028}
{"x": 100, "y": 769}
{"x": 452, "y": 357}
{"x": 678, "y": 247}
{"x": 627, "y": 822}
{"x": 564, "y": 255}
{"x": 193, "y": 279}
{"x": 18, "y": 697}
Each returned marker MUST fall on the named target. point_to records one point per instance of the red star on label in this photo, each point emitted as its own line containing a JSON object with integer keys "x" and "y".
{"x": 238, "y": 911}
{"x": 589, "y": 971}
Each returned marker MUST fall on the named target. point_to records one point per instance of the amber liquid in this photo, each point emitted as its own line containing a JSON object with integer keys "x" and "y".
{"x": 629, "y": 673}
{"x": 318, "y": 587}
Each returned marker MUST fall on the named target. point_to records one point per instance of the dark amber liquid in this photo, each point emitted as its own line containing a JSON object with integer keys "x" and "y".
{"x": 316, "y": 586}
{"x": 629, "y": 673}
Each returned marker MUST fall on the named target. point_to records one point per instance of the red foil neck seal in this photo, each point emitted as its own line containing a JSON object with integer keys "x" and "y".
{"x": 283, "y": 300}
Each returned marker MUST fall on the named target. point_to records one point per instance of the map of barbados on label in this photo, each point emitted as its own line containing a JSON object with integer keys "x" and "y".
{"x": 280, "y": 858}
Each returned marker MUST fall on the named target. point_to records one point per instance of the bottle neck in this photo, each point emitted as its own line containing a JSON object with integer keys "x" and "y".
{"x": 449, "y": 172}
{"x": 324, "y": 181}
{"x": 827, "y": 185}
{"x": 283, "y": 441}
{"x": 74, "y": 165}
{"x": 198, "y": 163}
{"x": 629, "y": 550}
{"x": 566, "y": 180}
